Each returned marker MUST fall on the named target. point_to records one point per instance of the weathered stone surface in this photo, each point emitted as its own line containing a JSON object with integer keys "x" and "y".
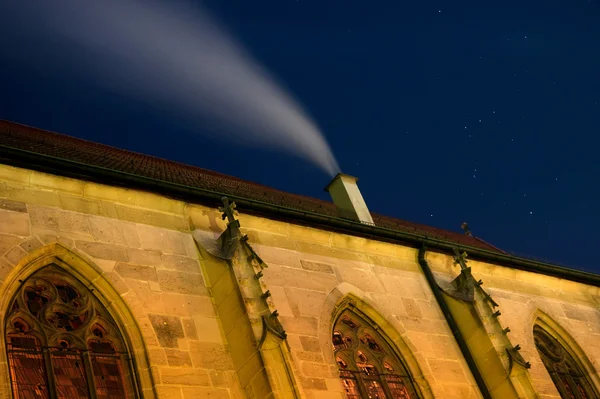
{"x": 5, "y": 268}
{"x": 178, "y": 358}
{"x": 16, "y": 223}
{"x": 180, "y": 263}
{"x": 136, "y": 272}
{"x": 55, "y": 219}
{"x": 309, "y": 356}
{"x": 144, "y": 257}
{"x": 300, "y": 325}
{"x": 313, "y": 383}
{"x": 363, "y": 279}
{"x": 412, "y": 308}
{"x": 210, "y": 356}
{"x": 187, "y": 305}
{"x": 280, "y": 301}
{"x": 310, "y": 344}
{"x": 33, "y": 196}
{"x": 114, "y": 232}
{"x": 208, "y": 329}
{"x": 291, "y": 277}
{"x": 446, "y": 370}
{"x": 167, "y": 328}
{"x": 149, "y": 300}
{"x": 169, "y": 392}
{"x": 305, "y": 302}
{"x": 211, "y": 393}
{"x": 117, "y": 282}
{"x": 50, "y": 236}
{"x": 32, "y": 244}
{"x": 189, "y": 328}
{"x": 15, "y": 255}
{"x": 7, "y": 242}
{"x": 184, "y": 283}
{"x": 103, "y": 251}
{"x": 311, "y": 369}
{"x": 14, "y": 206}
{"x": 81, "y": 205}
{"x": 184, "y": 376}
{"x": 223, "y": 379}
{"x": 162, "y": 240}
{"x": 406, "y": 287}
{"x": 316, "y": 266}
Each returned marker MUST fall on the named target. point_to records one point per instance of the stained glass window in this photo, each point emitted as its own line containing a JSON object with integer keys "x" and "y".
{"x": 62, "y": 343}
{"x": 369, "y": 367}
{"x": 567, "y": 375}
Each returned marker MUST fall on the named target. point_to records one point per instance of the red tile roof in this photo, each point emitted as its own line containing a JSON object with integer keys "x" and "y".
{"x": 55, "y": 145}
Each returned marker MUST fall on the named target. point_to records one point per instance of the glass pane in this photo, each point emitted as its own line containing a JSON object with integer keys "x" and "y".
{"x": 397, "y": 387}
{"x": 566, "y": 374}
{"x": 108, "y": 376}
{"x": 69, "y": 374}
{"x": 27, "y": 368}
{"x": 350, "y": 385}
{"x": 374, "y": 389}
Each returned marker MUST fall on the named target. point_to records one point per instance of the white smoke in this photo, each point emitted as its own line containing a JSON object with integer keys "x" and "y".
{"x": 178, "y": 57}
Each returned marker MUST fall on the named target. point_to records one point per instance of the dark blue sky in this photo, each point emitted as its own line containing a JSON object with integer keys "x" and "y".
{"x": 485, "y": 112}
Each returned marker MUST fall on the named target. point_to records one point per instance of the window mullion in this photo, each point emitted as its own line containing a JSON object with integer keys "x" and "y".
{"x": 50, "y": 373}
{"x": 573, "y": 385}
{"x": 89, "y": 375}
{"x": 364, "y": 392}
{"x": 386, "y": 388}
{"x": 559, "y": 384}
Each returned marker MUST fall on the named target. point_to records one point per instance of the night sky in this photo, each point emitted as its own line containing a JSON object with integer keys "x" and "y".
{"x": 484, "y": 112}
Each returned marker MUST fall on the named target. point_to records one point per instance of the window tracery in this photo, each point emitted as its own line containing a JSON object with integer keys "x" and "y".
{"x": 368, "y": 366}
{"x": 62, "y": 343}
{"x": 567, "y": 375}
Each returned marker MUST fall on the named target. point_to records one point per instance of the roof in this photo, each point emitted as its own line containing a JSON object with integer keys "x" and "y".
{"x": 48, "y": 144}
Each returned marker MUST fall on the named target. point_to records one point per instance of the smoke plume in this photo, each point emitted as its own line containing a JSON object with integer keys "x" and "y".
{"x": 177, "y": 57}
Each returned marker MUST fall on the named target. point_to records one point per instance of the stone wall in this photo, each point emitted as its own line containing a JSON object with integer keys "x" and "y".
{"x": 142, "y": 244}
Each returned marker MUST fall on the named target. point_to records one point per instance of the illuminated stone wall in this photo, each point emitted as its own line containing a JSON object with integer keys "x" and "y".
{"x": 190, "y": 314}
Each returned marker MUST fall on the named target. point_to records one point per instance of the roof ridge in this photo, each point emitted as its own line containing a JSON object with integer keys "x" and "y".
{"x": 73, "y": 139}
{"x": 59, "y": 146}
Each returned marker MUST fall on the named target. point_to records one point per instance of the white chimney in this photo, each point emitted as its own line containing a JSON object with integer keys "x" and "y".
{"x": 347, "y": 198}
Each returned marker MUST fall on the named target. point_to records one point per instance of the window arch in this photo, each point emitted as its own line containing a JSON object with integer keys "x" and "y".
{"x": 368, "y": 366}
{"x": 567, "y": 375}
{"x": 62, "y": 343}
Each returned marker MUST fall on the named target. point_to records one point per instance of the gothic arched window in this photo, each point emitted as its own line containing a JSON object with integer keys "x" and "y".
{"x": 62, "y": 343}
{"x": 566, "y": 373}
{"x": 369, "y": 367}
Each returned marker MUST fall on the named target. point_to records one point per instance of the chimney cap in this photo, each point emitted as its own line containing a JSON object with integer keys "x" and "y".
{"x": 341, "y": 176}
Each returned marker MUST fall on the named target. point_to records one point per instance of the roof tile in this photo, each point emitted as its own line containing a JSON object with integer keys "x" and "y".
{"x": 51, "y": 144}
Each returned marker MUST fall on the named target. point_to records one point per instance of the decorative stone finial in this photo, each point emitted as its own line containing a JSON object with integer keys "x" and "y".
{"x": 228, "y": 210}
{"x": 460, "y": 259}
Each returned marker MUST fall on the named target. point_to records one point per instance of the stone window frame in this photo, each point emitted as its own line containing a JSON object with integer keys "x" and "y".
{"x": 70, "y": 332}
{"x": 107, "y": 295}
{"x": 346, "y": 296}
{"x": 554, "y": 332}
{"x": 366, "y": 359}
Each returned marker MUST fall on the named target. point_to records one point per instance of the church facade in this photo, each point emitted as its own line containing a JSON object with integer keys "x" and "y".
{"x": 128, "y": 276}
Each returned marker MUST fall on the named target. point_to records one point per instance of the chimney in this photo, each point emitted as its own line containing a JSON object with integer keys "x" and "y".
{"x": 348, "y": 199}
